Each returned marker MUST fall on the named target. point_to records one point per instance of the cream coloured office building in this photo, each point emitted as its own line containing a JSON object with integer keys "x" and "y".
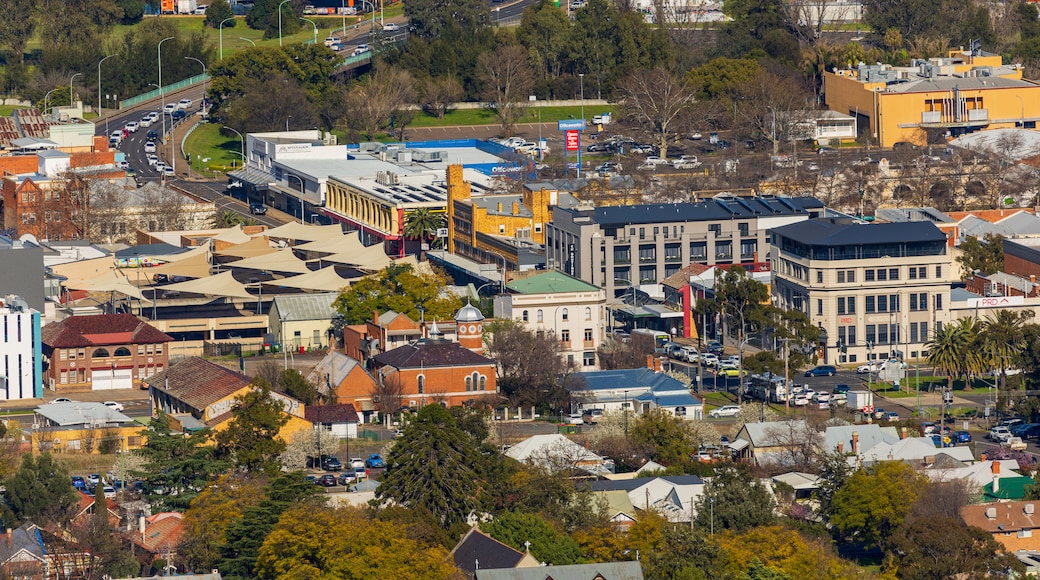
{"x": 881, "y": 290}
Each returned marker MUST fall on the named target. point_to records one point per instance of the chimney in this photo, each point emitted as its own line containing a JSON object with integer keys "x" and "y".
{"x": 375, "y": 317}
{"x": 650, "y": 361}
{"x": 140, "y": 525}
{"x": 499, "y": 207}
{"x": 841, "y": 448}
{"x": 855, "y": 442}
{"x": 516, "y": 208}
{"x": 996, "y": 476}
{"x": 1029, "y": 509}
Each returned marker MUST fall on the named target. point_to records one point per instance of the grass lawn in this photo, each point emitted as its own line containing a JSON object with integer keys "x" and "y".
{"x": 221, "y": 150}
{"x": 6, "y": 110}
{"x": 487, "y": 117}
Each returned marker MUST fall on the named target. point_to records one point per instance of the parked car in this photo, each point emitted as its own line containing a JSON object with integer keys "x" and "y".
{"x": 715, "y": 347}
{"x": 840, "y": 399}
{"x": 78, "y": 482}
{"x": 726, "y": 411}
{"x": 799, "y": 401}
{"x": 867, "y": 368}
{"x": 346, "y": 478}
{"x": 257, "y": 209}
{"x": 890, "y": 416}
{"x": 927, "y": 428}
{"x": 375, "y": 461}
{"x": 1014, "y": 444}
{"x": 999, "y": 433}
{"x": 118, "y": 407}
{"x": 729, "y": 371}
{"x": 330, "y": 463}
{"x": 574, "y": 419}
{"x": 327, "y": 480}
{"x": 356, "y": 462}
{"x": 821, "y": 371}
{"x": 942, "y": 440}
{"x": 821, "y": 397}
{"x": 961, "y": 437}
{"x": 592, "y": 416}
{"x": 94, "y": 478}
{"x": 841, "y": 388}
{"x": 62, "y": 400}
{"x": 108, "y": 491}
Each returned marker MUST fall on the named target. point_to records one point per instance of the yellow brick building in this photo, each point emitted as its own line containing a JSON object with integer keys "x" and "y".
{"x": 493, "y": 227}
{"x": 966, "y": 91}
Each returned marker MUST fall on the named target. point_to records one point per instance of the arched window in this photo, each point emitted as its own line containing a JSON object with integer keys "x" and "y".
{"x": 565, "y": 314}
{"x": 475, "y": 379}
{"x": 525, "y": 317}
{"x": 588, "y": 313}
{"x": 100, "y": 353}
{"x": 122, "y": 351}
{"x": 538, "y": 316}
{"x": 483, "y": 383}
{"x": 422, "y": 384}
{"x": 469, "y": 383}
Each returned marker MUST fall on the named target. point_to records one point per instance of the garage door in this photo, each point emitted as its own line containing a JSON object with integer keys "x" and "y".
{"x": 107, "y": 379}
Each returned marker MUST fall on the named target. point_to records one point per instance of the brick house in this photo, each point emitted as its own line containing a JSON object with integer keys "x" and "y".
{"x": 102, "y": 352}
{"x": 386, "y": 331}
{"x": 1014, "y": 524}
{"x": 438, "y": 370}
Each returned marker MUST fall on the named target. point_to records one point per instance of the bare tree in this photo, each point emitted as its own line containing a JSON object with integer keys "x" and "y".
{"x": 107, "y": 216}
{"x": 776, "y": 109}
{"x": 657, "y": 101}
{"x": 436, "y": 94}
{"x": 507, "y": 79}
{"x": 387, "y": 393}
{"x": 372, "y": 103}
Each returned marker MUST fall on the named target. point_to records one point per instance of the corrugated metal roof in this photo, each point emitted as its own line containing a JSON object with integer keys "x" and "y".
{"x": 840, "y": 232}
{"x": 76, "y": 413}
{"x": 298, "y": 307}
{"x": 549, "y": 282}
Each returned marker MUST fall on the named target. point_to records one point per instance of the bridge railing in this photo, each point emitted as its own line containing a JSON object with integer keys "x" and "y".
{"x": 155, "y": 93}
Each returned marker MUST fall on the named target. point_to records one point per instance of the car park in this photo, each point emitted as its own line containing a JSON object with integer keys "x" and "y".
{"x": 118, "y": 407}
{"x": 149, "y": 147}
{"x": 821, "y": 371}
{"x": 725, "y": 411}
{"x": 132, "y": 126}
{"x": 375, "y": 461}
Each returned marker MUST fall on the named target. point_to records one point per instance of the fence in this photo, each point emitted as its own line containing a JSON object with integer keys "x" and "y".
{"x": 220, "y": 349}
{"x": 157, "y": 93}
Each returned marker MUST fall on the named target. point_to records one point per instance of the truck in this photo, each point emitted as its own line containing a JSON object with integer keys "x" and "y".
{"x": 186, "y": 6}
{"x": 1014, "y": 444}
{"x": 862, "y": 401}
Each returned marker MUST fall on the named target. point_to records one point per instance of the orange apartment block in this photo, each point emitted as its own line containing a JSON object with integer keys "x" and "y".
{"x": 1014, "y": 524}
{"x": 437, "y": 370}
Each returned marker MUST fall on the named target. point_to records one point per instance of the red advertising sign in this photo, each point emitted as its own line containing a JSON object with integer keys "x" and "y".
{"x": 571, "y": 138}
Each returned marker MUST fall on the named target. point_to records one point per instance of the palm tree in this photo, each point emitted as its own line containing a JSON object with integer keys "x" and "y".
{"x": 422, "y": 224}
{"x": 946, "y": 350}
{"x": 1002, "y": 338}
{"x": 227, "y": 219}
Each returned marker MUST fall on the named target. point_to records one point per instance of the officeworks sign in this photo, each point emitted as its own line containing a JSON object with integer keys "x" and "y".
{"x": 571, "y": 124}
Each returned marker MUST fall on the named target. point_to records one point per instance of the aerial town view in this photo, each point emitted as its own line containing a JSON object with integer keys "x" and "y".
{"x": 520, "y": 289}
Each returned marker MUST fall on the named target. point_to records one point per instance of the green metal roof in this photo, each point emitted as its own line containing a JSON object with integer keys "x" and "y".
{"x": 1011, "y": 488}
{"x": 548, "y": 283}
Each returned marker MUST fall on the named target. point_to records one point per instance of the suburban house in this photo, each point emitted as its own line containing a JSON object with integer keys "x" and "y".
{"x": 672, "y": 496}
{"x": 1013, "y": 524}
{"x": 438, "y": 370}
{"x": 557, "y": 453}
{"x": 388, "y": 331}
{"x": 198, "y": 394}
{"x": 23, "y": 555}
{"x": 559, "y": 305}
{"x": 102, "y": 352}
{"x": 914, "y": 450}
{"x": 638, "y": 390}
{"x": 340, "y": 420}
{"x": 856, "y": 439}
{"x": 158, "y": 535}
{"x": 776, "y": 442}
{"x": 346, "y": 379}
{"x": 603, "y": 571}
{"x": 302, "y": 321}
{"x": 83, "y": 427}
{"x": 477, "y": 550}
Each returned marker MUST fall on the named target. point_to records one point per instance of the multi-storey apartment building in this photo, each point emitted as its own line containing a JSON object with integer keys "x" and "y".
{"x": 21, "y": 373}
{"x": 616, "y": 247}
{"x": 878, "y": 290}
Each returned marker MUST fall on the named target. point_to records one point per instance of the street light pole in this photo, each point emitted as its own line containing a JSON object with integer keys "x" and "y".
{"x": 72, "y": 78}
{"x": 247, "y": 40}
{"x": 241, "y": 144}
{"x": 221, "y": 34}
{"x": 47, "y": 100}
{"x": 99, "y": 81}
{"x": 284, "y": 2}
{"x": 203, "y": 80}
{"x": 162, "y": 93}
{"x": 315, "y": 28}
{"x": 581, "y": 84}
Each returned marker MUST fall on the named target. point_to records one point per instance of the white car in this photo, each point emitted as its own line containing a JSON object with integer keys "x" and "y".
{"x": 709, "y": 359}
{"x": 154, "y": 116}
{"x": 356, "y": 462}
{"x": 391, "y": 27}
{"x": 123, "y": 164}
{"x": 149, "y": 147}
{"x": 574, "y": 419}
{"x": 868, "y": 368}
{"x": 330, "y": 40}
{"x": 690, "y": 354}
{"x": 799, "y": 401}
{"x": 171, "y": 107}
{"x": 116, "y": 136}
{"x": 132, "y": 126}
{"x": 685, "y": 162}
{"x": 114, "y": 406}
{"x": 999, "y": 434}
{"x": 160, "y": 166}
{"x": 168, "y": 171}
{"x": 655, "y": 160}
{"x": 726, "y": 411}
{"x": 362, "y": 49}
{"x": 145, "y": 121}
{"x": 821, "y": 397}
{"x": 184, "y": 104}
{"x": 153, "y": 160}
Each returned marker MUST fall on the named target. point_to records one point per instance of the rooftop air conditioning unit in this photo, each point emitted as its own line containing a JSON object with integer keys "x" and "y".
{"x": 991, "y": 513}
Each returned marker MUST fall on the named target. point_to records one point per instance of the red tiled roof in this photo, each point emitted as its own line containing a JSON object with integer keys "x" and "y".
{"x": 160, "y": 533}
{"x": 431, "y": 354}
{"x": 198, "y": 382}
{"x": 330, "y": 413}
{"x": 100, "y": 329}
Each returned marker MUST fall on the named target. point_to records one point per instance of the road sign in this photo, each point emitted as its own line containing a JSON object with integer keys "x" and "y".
{"x": 572, "y": 142}
{"x": 571, "y": 124}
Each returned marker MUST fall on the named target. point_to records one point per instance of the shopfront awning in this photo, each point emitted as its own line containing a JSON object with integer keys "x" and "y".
{"x": 254, "y": 177}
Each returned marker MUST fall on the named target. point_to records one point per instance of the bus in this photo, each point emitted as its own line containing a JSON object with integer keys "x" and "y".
{"x": 659, "y": 337}
{"x": 768, "y": 387}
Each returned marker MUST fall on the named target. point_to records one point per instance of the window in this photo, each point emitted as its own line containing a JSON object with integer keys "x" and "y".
{"x": 483, "y": 383}
{"x": 819, "y": 307}
{"x": 588, "y": 335}
{"x": 882, "y": 303}
{"x": 538, "y": 316}
{"x": 743, "y": 228}
{"x": 893, "y": 273}
{"x": 64, "y": 377}
{"x": 922, "y": 272}
{"x": 672, "y": 252}
{"x": 851, "y": 335}
{"x": 868, "y": 304}
{"x": 622, "y": 256}
{"x": 938, "y": 301}
{"x": 647, "y": 274}
{"x": 469, "y": 383}
{"x": 913, "y": 325}
{"x": 140, "y": 349}
{"x": 819, "y": 276}
{"x": 913, "y": 297}
{"x": 871, "y": 330}
{"x": 724, "y": 251}
{"x": 851, "y": 305}
{"x": 882, "y": 333}
{"x": 64, "y": 354}
{"x": 882, "y": 275}
{"x": 868, "y": 276}
{"x": 913, "y": 273}
{"x": 158, "y": 348}
{"x": 564, "y": 315}
{"x": 421, "y": 379}
{"x": 841, "y": 276}
{"x": 938, "y": 272}
{"x": 588, "y": 313}
{"x": 642, "y": 233}
{"x": 893, "y": 302}
{"x": 82, "y": 353}
{"x": 850, "y": 276}
{"x": 588, "y": 359}
{"x": 893, "y": 331}
{"x": 565, "y": 336}
{"x": 698, "y": 251}
{"x": 524, "y": 316}
{"x": 647, "y": 254}
{"x": 924, "y": 331}
{"x": 841, "y": 305}
{"x": 715, "y": 229}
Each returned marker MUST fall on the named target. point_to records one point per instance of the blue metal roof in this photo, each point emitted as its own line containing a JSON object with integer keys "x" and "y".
{"x": 713, "y": 210}
{"x": 620, "y": 379}
{"x": 843, "y": 232}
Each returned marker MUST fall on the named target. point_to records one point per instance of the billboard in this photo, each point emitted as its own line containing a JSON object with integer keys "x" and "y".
{"x": 570, "y": 124}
